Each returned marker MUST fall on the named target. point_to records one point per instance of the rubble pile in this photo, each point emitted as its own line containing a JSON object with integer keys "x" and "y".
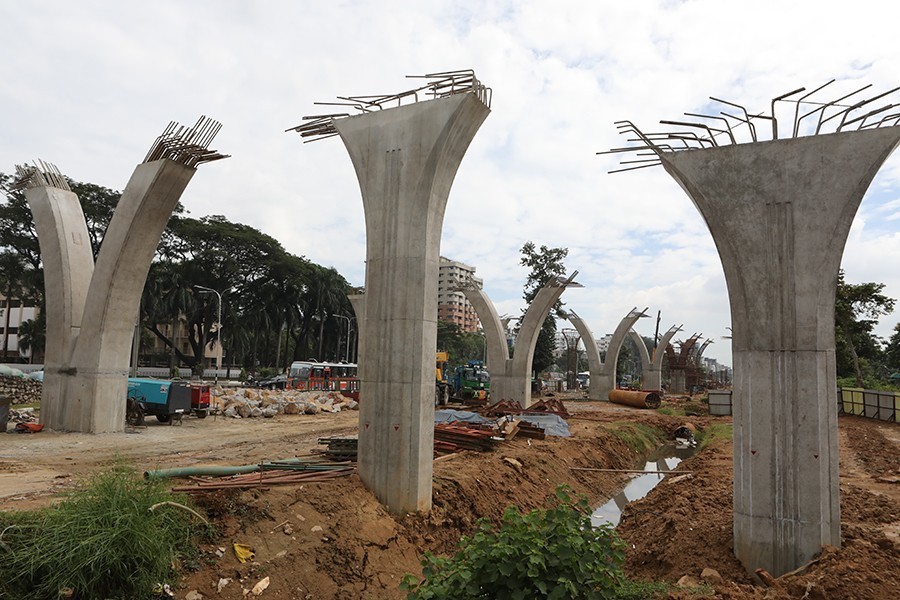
{"x": 21, "y": 390}
{"x": 243, "y": 403}
{"x": 26, "y": 415}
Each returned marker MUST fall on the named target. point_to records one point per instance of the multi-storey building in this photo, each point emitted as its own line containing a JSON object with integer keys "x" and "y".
{"x": 452, "y": 304}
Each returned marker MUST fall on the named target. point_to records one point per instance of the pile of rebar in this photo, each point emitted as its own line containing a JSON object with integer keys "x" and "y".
{"x": 466, "y": 437}
{"x": 341, "y": 448}
{"x": 274, "y": 474}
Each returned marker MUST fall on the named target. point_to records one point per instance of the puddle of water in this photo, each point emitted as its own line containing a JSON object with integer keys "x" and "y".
{"x": 664, "y": 459}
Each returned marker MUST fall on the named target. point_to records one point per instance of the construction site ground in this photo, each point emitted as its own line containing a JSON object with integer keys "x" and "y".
{"x": 334, "y": 540}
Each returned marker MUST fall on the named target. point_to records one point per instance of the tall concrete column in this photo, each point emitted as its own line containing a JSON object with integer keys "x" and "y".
{"x": 99, "y": 381}
{"x": 68, "y": 264}
{"x": 592, "y": 353}
{"x": 780, "y": 212}
{"x": 654, "y": 377}
{"x": 498, "y": 361}
{"x": 643, "y": 354}
{"x": 405, "y": 159}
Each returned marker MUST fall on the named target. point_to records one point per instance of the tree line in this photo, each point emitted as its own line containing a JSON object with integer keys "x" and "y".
{"x": 275, "y": 307}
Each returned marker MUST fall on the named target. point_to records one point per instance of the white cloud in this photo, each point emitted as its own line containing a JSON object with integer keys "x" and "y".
{"x": 93, "y": 83}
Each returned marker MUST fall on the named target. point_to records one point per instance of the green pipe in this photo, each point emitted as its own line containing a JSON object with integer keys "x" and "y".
{"x": 215, "y": 470}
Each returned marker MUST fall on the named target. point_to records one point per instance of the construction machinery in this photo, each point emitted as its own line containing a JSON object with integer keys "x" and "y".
{"x": 471, "y": 382}
{"x": 441, "y": 386}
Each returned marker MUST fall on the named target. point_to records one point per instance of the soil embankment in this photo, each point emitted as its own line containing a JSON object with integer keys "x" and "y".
{"x": 333, "y": 540}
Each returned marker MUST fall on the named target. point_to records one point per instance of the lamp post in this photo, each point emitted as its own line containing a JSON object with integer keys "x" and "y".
{"x": 206, "y": 290}
{"x": 347, "y": 351}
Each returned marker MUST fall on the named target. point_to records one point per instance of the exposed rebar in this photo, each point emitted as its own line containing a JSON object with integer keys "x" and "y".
{"x": 440, "y": 85}
{"x": 842, "y": 117}
{"x": 40, "y": 174}
{"x": 187, "y": 145}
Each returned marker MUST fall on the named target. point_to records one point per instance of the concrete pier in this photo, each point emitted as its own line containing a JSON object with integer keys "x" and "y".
{"x": 68, "y": 266}
{"x": 405, "y": 159}
{"x": 91, "y": 310}
{"x": 99, "y": 379}
{"x": 511, "y": 377}
{"x": 780, "y": 212}
{"x": 603, "y": 373}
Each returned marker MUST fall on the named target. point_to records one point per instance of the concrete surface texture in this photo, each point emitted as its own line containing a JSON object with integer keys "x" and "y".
{"x": 405, "y": 159}
{"x": 68, "y": 265}
{"x": 99, "y": 381}
{"x": 498, "y": 361}
{"x": 603, "y": 373}
{"x": 780, "y": 213}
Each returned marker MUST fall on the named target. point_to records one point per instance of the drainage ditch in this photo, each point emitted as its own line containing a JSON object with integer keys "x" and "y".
{"x": 655, "y": 467}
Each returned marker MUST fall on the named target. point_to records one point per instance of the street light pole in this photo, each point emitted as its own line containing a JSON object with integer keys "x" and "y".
{"x": 206, "y": 290}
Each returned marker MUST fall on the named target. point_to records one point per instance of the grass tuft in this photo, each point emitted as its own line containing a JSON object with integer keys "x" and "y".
{"x": 101, "y": 541}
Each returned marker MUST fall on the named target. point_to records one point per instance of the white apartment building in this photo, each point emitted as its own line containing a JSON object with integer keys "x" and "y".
{"x": 452, "y": 305}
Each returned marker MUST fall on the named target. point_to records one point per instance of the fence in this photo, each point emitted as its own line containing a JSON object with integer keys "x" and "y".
{"x": 874, "y": 404}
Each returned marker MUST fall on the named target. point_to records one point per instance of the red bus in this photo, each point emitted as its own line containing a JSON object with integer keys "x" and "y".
{"x": 310, "y": 375}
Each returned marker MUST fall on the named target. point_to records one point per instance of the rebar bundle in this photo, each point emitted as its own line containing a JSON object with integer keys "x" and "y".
{"x": 441, "y": 85}
{"x": 727, "y": 128}
{"x": 187, "y": 145}
{"x": 41, "y": 174}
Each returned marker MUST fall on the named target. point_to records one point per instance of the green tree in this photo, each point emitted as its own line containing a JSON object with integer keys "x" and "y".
{"x": 856, "y": 311}
{"x": 462, "y": 346}
{"x": 892, "y": 351}
{"x": 546, "y": 264}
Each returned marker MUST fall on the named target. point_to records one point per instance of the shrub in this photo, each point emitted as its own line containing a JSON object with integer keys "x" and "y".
{"x": 102, "y": 541}
{"x": 553, "y": 553}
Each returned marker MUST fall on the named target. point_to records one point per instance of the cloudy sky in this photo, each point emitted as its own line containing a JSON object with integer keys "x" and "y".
{"x": 89, "y": 85}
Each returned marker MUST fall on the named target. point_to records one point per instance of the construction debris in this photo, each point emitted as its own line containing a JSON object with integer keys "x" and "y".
{"x": 243, "y": 403}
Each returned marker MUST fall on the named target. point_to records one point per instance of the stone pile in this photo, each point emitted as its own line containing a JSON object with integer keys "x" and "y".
{"x": 21, "y": 390}
{"x": 243, "y": 403}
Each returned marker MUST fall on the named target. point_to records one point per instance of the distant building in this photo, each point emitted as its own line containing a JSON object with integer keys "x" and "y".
{"x": 13, "y": 313}
{"x": 452, "y": 305}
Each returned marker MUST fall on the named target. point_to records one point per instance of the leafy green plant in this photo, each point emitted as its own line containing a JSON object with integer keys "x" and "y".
{"x": 116, "y": 537}
{"x": 552, "y": 553}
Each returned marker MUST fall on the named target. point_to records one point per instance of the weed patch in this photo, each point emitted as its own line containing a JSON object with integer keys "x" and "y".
{"x": 102, "y": 541}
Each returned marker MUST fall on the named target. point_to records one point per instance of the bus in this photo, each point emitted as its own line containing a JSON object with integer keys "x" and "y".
{"x": 309, "y": 375}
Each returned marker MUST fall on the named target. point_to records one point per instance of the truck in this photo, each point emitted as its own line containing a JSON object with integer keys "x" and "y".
{"x": 168, "y": 401}
{"x": 471, "y": 382}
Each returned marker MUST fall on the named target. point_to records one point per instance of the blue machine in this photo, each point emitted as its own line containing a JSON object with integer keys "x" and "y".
{"x": 163, "y": 399}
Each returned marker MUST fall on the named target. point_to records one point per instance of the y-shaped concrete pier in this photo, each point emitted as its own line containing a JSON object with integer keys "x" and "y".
{"x": 91, "y": 309}
{"x": 406, "y": 158}
{"x": 603, "y": 373}
{"x": 780, "y": 212}
{"x": 511, "y": 377}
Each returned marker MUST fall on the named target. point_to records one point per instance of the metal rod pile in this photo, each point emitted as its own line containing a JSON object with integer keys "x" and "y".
{"x": 465, "y": 437}
{"x": 274, "y": 474}
{"x": 343, "y": 448}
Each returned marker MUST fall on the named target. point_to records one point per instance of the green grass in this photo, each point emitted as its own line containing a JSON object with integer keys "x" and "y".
{"x": 714, "y": 432}
{"x": 671, "y": 411}
{"x": 101, "y": 541}
{"x": 638, "y": 437}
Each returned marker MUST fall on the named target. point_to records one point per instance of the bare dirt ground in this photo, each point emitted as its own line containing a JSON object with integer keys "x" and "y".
{"x": 333, "y": 540}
